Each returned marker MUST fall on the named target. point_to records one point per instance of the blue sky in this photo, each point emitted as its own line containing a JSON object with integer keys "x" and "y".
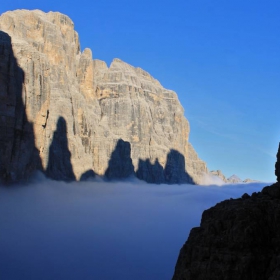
{"x": 221, "y": 57}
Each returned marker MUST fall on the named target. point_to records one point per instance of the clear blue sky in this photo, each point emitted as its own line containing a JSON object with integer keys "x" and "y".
{"x": 221, "y": 57}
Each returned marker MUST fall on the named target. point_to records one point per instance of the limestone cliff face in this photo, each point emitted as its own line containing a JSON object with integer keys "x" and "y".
{"x": 78, "y": 109}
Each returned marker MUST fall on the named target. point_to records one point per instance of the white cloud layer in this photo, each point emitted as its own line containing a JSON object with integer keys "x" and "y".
{"x": 99, "y": 230}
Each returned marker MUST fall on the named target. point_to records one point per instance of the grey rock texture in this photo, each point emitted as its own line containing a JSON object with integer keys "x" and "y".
{"x": 59, "y": 164}
{"x": 120, "y": 164}
{"x": 238, "y": 239}
{"x": 45, "y": 79}
{"x": 277, "y": 165}
{"x": 18, "y": 154}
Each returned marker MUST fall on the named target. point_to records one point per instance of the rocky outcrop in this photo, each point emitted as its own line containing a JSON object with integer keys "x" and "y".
{"x": 238, "y": 239}
{"x": 18, "y": 154}
{"x": 277, "y": 165}
{"x": 58, "y": 87}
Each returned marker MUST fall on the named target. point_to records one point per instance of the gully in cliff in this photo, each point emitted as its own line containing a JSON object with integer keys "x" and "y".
{"x": 49, "y": 85}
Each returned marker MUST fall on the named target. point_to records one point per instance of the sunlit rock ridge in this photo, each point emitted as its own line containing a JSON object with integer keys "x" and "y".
{"x": 72, "y": 117}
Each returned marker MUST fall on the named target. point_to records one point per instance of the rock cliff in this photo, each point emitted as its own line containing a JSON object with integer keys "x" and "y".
{"x": 66, "y": 114}
{"x": 238, "y": 239}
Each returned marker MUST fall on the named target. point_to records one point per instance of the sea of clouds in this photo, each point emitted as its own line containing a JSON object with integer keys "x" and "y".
{"x": 100, "y": 230}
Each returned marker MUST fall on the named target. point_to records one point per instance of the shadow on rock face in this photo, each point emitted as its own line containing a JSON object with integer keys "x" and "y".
{"x": 151, "y": 173}
{"x": 175, "y": 169}
{"x": 19, "y": 156}
{"x": 173, "y": 173}
{"x": 277, "y": 164}
{"x": 120, "y": 164}
{"x": 90, "y": 174}
{"x": 59, "y": 163}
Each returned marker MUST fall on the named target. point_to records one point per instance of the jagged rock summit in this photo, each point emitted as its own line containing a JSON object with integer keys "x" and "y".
{"x": 234, "y": 179}
{"x": 67, "y": 115}
{"x": 238, "y": 239}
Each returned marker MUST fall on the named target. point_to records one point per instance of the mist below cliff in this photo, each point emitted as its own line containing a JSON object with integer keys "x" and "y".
{"x": 100, "y": 230}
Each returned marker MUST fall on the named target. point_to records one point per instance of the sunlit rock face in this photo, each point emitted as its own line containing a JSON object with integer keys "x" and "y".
{"x": 99, "y": 105}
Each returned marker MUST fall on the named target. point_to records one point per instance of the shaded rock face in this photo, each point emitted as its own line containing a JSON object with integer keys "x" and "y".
{"x": 18, "y": 153}
{"x": 238, "y": 239}
{"x": 151, "y": 173}
{"x": 48, "y": 78}
{"x": 59, "y": 164}
{"x": 173, "y": 173}
{"x": 120, "y": 164}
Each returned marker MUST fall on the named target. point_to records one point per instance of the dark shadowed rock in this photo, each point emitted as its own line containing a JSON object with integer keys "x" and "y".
{"x": 151, "y": 173}
{"x": 238, "y": 239}
{"x": 90, "y": 174}
{"x": 120, "y": 164}
{"x": 173, "y": 173}
{"x": 59, "y": 164}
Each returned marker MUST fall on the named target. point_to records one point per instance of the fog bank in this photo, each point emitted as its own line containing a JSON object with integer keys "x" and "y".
{"x": 100, "y": 230}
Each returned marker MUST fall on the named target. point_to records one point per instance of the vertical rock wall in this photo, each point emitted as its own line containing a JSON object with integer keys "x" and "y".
{"x": 99, "y": 105}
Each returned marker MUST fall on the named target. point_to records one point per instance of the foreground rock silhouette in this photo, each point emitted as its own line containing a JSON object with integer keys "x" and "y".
{"x": 238, "y": 239}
